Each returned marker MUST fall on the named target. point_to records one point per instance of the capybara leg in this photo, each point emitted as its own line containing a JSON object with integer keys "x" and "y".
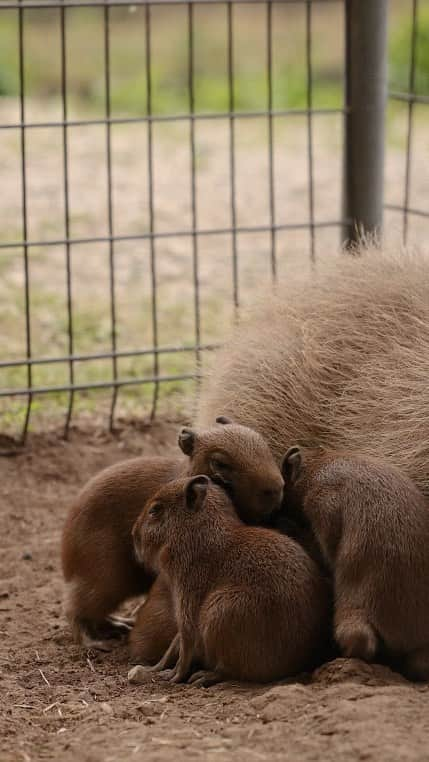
{"x": 88, "y": 616}
{"x": 186, "y": 656}
{"x": 355, "y": 635}
{"x": 170, "y": 657}
{"x": 85, "y": 633}
{"x": 155, "y": 625}
{"x": 416, "y": 664}
{"x": 204, "y": 678}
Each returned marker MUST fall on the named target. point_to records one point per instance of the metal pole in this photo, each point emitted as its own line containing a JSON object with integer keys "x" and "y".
{"x": 366, "y": 90}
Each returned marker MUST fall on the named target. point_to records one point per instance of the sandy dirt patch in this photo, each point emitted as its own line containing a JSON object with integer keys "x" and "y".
{"x": 60, "y": 703}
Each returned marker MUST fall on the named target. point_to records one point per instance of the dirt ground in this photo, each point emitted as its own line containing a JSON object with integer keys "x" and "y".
{"x": 60, "y": 703}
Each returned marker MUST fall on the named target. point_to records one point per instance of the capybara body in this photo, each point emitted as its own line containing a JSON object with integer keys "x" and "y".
{"x": 98, "y": 560}
{"x": 250, "y": 603}
{"x": 338, "y": 358}
{"x": 155, "y": 625}
{"x": 372, "y": 524}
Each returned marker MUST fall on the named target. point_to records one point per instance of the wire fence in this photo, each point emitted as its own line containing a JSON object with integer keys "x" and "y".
{"x": 142, "y": 366}
{"x": 411, "y": 98}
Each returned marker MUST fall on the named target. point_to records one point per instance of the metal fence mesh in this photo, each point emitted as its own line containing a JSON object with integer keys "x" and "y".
{"x": 410, "y": 99}
{"x": 22, "y": 369}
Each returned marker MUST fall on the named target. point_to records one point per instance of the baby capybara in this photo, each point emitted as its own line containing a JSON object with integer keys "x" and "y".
{"x": 155, "y": 626}
{"x": 372, "y": 524}
{"x": 250, "y": 603}
{"x": 98, "y": 560}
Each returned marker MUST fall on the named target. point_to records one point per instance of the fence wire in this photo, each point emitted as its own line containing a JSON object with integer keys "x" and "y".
{"x": 411, "y": 99}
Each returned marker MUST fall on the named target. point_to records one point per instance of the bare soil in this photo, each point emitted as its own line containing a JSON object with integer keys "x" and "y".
{"x": 61, "y": 703}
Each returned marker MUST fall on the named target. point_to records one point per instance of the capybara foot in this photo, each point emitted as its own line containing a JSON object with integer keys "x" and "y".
{"x": 416, "y": 664}
{"x": 109, "y": 629}
{"x": 356, "y": 640}
{"x": 167, "y": 674}
{"x": 120, "y": 625}
{"x": 204, "y": 678}
{"x": 98, "y": 635}
{"x": 88, "y": 642}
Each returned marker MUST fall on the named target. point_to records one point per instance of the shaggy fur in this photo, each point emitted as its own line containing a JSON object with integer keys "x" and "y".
{"x": 339, "y": 359}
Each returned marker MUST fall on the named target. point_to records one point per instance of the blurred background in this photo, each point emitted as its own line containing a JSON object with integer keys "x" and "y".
{"x": 231, "y": 268}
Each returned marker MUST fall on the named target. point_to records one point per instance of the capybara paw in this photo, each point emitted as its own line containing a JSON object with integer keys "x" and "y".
{"x": 168, "y": 674}
{"x": 177, "y": 677}
{"x": 110, "y": 629}
{"x": 97, "y": 635}
{"x": 120, "y": 625}
{"x": 140, "y": 674}
{"x": 94, "y": 644}
{"x": 356, "y": 640}
{"x": 203, "y": 679}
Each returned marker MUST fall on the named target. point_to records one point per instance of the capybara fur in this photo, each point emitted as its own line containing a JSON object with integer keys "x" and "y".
{"x": 155, "y": 625}
{"x": 372, "y": 524}
{"x": 250, "y": 603}
{"x": 98, "y": 560}
{"x": 337, "y": 358}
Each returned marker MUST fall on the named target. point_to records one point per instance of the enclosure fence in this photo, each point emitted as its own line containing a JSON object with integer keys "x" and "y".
{"x": 363, "y": 112}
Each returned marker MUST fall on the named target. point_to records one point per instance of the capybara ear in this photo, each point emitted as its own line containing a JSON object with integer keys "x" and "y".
{"x": 196, "y": 491}
{"x": 223, "y": 419}
{"x": 291, "y": 464}
{"x": 187, "y": 438}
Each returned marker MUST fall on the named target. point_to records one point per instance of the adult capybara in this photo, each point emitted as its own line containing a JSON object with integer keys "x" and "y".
{"x": 338, "y": 358}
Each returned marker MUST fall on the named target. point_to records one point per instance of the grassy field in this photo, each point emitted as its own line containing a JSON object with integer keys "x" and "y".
{"x": 170, "y": 56}
{"x": 86, "y": 97}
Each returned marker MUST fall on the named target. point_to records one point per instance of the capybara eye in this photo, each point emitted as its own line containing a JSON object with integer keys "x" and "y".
{"x": 155, "y": 509}
{"x": 220, "y": 465}
{"x": 270, "y": 493}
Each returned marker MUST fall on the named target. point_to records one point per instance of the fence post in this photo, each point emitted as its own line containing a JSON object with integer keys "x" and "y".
{"x": 366, "y": 91}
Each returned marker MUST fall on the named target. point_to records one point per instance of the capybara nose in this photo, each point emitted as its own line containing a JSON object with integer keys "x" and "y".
{"x": 273, "y": 498}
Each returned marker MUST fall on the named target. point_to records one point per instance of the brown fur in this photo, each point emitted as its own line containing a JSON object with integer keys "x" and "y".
{"x": 250, "y": 603}
{"x": 155, "y": 625}
{"x": 372, "y": 524}
{"x": 333, "y": 356}
{"x": 97, "y": 551}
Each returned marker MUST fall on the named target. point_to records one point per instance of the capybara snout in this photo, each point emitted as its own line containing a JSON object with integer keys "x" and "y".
{"x": 239, "y": 460}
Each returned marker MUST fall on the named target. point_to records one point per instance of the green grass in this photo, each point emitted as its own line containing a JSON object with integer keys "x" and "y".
{"x": 92, "y": 334}
{"x": 400, "y": 52}
{"x": 170, "y": 58}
